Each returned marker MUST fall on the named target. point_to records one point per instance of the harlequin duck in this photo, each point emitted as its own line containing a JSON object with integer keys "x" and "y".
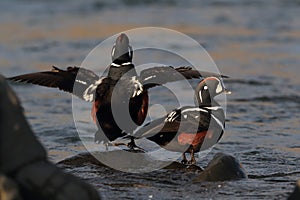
{"x": 90, "y": 87}
{"x": 191, "y": 128}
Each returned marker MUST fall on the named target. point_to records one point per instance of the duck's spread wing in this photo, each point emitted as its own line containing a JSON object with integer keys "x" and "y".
{"x": 74, "y": 80}
{"x": 160, "y": 75}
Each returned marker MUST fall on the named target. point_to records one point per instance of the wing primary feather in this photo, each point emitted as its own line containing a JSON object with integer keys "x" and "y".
{"x": 61, "y": 79}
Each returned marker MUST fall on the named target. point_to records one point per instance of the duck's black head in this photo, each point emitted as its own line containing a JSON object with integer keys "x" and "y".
{"x": 121, "y": 55}
{"x": 121, "y": 51}
{"x": 207, "y": 89}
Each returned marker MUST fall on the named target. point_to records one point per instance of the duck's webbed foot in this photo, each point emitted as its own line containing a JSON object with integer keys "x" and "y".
{"x": 193, "y": 160}
{"x": 188, "y": 162}
{"x": 184, "y": 161}
{"x": 132, "y": 146}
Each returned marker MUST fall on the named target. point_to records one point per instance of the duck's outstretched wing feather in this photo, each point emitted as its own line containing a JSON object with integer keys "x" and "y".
{"x": 160, "y": 75}
{"x": 74, "y": 80}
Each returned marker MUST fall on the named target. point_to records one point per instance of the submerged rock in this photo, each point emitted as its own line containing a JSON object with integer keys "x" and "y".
{"x": 222, "y": 167}
{"x": 296, "y": 194}
{"x": 24, "y": 160}
{"x": 120, "y": 160}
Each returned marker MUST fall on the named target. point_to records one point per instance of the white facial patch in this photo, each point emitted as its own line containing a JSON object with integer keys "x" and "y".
{"x": 205, "y": 87}
{"x": 129, "y": 52}
{"x": 219, "y": 88}
{"x": 113, "y": 51}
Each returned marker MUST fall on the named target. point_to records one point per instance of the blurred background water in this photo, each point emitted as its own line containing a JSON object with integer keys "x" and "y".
{"x": 255, "y": 42}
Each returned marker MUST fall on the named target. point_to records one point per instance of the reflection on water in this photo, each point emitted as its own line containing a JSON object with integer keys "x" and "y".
{"x": 254, "y": 42}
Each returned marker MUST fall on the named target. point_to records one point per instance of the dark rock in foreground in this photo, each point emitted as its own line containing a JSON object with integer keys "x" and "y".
{"x": 296, "y": 194}
{"x": 222, "y": 168}
{"x": 9, "y": 190}
{"x": 24, "y": 160}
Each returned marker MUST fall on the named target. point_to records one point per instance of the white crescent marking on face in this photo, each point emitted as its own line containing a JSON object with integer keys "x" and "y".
{"x": 219, "y": 88}
{"x": 129, "y": 51}
{"x": 113, "y": 51}
{"x": 200, "y": 95}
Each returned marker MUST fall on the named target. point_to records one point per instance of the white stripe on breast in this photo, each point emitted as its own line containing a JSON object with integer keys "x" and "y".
{"x": 89, "y": 93}
{"x": 218, "y": 122}
{"x": 123, "y": 64}
{"x": 194, "y": 109}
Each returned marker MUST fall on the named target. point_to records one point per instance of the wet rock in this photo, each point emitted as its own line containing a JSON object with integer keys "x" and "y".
{"x": 179, "y": 166}
{"x": 24, "y": 160}
{"x": 125, "y": 161}
{"x": 296, "y": 194}
{"x": 222, "y": 167}
{"x": 15, "y": 134}
{"x": 8, "y": 189}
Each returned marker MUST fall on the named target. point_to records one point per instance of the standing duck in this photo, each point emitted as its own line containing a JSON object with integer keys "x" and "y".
{"x": 190, "y": 129}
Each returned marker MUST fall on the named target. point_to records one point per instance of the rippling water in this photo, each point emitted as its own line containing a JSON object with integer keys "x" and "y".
{"x": 256, "y": 43}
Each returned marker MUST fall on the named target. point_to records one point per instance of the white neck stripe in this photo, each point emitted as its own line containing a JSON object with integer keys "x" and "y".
{"x": 115, "y": 65}
{"x": 127, "y": 63}
{"x": 214, "y": 107}
{"x": 203, "y": 110}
